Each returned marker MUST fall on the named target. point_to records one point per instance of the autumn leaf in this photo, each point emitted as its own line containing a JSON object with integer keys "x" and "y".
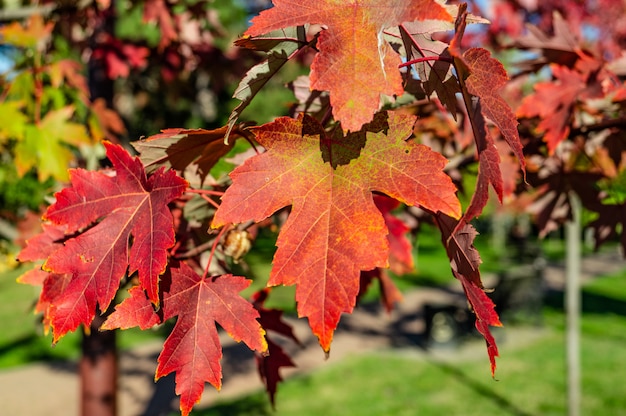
{"x": 37, "y": 249}
{"x": 436, "y": 75}
{"x": 465, "y": 261}
{"x": 179, "y": 148}
{"x": 355, "y": 63}
{"x": 34, "y": 34}
{"x": 400, "y": 248}
{"x": 157, "y": 13}
{"x": 562, "y": 47}
{"x": 484, "y": 77}
{"x": 110, "y": 212}
{"x": 104, "y": 123}
{"x": 12, "y": 121}
{"x": 45, "y": 145}
{"x": 281, "y": 46}
{"x": 390, "y": 295}
{"x": 193, "y": 350}
{"x": 120, "y": 57}
{"x": 334, "y": 230}
{"x": 553, "y": 103}
{"x": 67, "y": 72}
{"x": 269, "y": 365}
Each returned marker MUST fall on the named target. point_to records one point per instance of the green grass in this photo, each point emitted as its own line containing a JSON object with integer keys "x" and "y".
{"x": 531, "y": 381}
{"x": 22, "y": 339}
{"x": 531, "y": 374}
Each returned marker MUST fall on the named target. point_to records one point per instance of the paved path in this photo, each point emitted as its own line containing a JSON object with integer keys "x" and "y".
{"x": 52, "y": 389}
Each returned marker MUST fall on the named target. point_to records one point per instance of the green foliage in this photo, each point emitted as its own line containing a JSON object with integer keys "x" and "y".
{"x": 20, "y": 193}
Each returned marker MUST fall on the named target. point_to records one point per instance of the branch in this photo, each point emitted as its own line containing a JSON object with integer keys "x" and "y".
{"x": 605, "y": 124}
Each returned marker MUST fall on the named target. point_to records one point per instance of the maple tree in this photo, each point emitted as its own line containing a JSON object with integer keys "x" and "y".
{"x": 165, "y": 227}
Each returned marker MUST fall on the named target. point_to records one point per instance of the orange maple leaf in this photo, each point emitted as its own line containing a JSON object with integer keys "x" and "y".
{"x": 355, "y": 64}
{"x": 334, "y": 230}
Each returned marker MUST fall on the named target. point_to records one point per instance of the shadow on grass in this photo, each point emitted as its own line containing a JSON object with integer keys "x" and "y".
{"x": 35, "y": 348}
{"x": 255, "y": 405}
{"x": 502, "y": 402}
{"x": 591, "y": 303}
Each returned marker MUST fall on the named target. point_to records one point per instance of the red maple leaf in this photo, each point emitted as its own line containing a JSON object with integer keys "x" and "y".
{"x": 193, "y": 350}
{"x": 108, "y": 211}
{"x": 553, "y": 103}
{"x": 355, "y": 63}
{"x": 458, "y": 238}
{"x": 334, "y": 230}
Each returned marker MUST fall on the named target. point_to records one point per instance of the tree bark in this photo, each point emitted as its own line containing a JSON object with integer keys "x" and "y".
{"x": 98, "y": 371}
{"x": 573, "y": 307}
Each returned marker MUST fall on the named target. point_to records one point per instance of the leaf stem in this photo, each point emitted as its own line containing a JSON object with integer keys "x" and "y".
{"x": 205, "y": 192}
{"x": 204, "y": 195}
{"x": 426, "y": 58}
{"x": 213, "y": 248}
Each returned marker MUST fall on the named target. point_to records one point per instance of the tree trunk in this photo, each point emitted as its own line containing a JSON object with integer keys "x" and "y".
{"x": 573, "y": 307}
{"x": 98, "y": 371}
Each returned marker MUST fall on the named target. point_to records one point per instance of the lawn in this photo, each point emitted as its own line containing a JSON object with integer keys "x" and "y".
{"x": 530, "y": 375}
{"x": 22, "y": 339}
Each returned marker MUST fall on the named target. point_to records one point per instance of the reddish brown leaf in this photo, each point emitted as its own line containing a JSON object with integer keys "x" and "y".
{"x": 400, "y": 248}
{"x": 134, "y": 311}
{"x": 108, "y": 211}
{"x": 106, "y": 124}
{"x": 562, "y": 48}
{"x": 484, "y": 77}
{"x": 488, "y": 165}
{"x": 281, "y": 46}
{"x": 355, "y": 63}
{"x": 389, "y": 292}
{"x": 334, "y": 230}
{"x": 436, "y": 76}
{"x": 179, "y": 148}
{"x": 269, "y": 365}
{"x": 465, "y": 261}
{"x": 43, "y": 244}
{"x": 486, "y": 80}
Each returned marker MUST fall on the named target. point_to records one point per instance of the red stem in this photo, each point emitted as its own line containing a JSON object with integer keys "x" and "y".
{"x": 38, "y": 87}
{"x": 217, "y": 240}
{"x": 424, "y": 59}
{"x": 205, "y": 192}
